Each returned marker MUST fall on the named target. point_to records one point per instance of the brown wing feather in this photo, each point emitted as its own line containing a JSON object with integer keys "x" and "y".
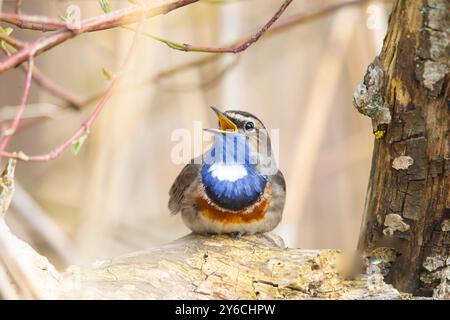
{"x": 278, "y": 178}
{"x": 186, "y": 177}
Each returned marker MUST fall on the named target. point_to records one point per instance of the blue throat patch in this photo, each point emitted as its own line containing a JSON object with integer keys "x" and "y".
{"x": 233, "y": 191}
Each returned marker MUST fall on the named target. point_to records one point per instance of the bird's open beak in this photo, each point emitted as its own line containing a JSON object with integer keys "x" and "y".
{"x": 226, "y": 125}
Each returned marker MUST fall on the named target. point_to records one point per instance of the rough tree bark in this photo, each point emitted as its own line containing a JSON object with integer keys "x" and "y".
{"x": 405, "y": 92}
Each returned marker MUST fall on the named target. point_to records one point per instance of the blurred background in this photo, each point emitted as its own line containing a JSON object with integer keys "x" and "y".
{"x": 112, "y": 197}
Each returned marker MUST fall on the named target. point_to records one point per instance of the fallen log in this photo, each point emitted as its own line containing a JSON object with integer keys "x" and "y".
{"x": 193, "y": 267}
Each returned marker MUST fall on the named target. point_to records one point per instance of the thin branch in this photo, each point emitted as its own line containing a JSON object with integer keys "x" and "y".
{"x": 55, "y": 89}
{"x": 286, "y": 23}
{"x": 44, "y": 82}
{"x": 23, "y": 103}
{"x": 113, "y": 19}
{"x": 12, "y": 41}
{"x": 221, "y": 1}
{"x": 33, "y": 113}
{"x": 18, "y": 6}
{"x": 239, "y": 46}
{"x": 159, "y": 76}
{"x": 289, "y": 22}
{"x": 206, "y": 84}
{"x": 45, "y": 24}
{"x": 281, "y": 26}
{"x": 235, "y": 48}
{"x": 87, "y": 124}
{"x": 33, "y": 22}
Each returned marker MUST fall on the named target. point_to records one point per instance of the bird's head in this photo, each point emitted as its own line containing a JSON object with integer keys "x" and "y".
{"x": 238, "y": 122}
{"x": 246, "y": 130}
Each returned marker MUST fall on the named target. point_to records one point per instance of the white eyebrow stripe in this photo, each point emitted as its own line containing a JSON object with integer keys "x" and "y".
{"x": 238, "y": 116}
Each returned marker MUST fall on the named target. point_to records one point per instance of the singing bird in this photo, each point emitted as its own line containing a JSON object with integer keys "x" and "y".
{"x": 235, "y": 187}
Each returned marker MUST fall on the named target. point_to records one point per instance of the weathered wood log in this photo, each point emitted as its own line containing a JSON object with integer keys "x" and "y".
{"x": 405, "y": 92}
{"x": 193, "y": 267}
{"x": 220, "y": 267}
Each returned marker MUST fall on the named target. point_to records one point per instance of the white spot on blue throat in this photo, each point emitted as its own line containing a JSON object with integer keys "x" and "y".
{"x": 229, "y": 172}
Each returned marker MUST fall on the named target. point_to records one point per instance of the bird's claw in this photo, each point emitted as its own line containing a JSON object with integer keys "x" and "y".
{"x": 236, "y": 235}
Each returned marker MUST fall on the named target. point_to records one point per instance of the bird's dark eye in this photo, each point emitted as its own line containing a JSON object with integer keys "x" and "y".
{"x": 249, "y": 126}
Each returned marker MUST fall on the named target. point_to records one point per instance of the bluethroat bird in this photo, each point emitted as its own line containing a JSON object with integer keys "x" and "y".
{"x": 235, "y": 187}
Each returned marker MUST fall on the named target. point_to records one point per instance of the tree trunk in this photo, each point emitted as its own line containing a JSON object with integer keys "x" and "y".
{"x": 405, "y": 92}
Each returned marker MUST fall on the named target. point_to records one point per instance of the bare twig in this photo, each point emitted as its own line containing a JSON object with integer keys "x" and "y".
{"x": 45, "y": 24}
{"x": 113, "y": 19}
{"x": 87, "y": 124}
{"x": 235, "y": 48}
{"x": 23, "y": 102}
{"x": 32, "y": 113}
{"x": 243, "y": 44}
{"x": 18, "y": 6}
{"x": 278, "y": 27}
{"x": 238, "y": 46}
{"x": 55, "y": 89}
{"x": 44, "y": 82}
{"x": 207, "y": 83}
{"x": 12, "y": 41}
{"x": 33, "y": 22}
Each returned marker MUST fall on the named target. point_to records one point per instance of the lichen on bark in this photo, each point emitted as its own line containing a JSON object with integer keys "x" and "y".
{"x": 433, "y": 57}
{"x": 368, "y": 97}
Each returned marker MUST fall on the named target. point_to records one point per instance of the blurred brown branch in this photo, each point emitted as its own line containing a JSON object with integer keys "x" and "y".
{"x": 12, "y": 41}
{"x": 85, "y": 127}
{"x": 113, "y": 19}
{"x": 41, "y": 79}
{"x": 289, "y": 22}
{"x": 7, "y": 133}
{"x": 30, "y": 50}
{"x": 18, "y": 6}
{"x": 107, "y": 21}
{"x": 42, "y": 228}
{"x": 32, "y": 22}
{"x": 280, "y": 26}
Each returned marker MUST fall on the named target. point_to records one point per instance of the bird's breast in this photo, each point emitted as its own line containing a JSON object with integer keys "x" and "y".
{"x": 253, "y": 213}
{"x": 232, "y": 187}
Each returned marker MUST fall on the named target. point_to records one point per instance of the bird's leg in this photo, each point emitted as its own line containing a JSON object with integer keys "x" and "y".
{"x": 236, "y": 235}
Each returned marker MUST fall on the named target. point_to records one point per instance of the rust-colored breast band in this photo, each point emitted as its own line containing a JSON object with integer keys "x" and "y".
{"x": 210, "y": 211}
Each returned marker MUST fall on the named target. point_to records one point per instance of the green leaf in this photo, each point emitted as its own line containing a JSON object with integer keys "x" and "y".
{"x": 175, "y": 45}
{"x": 170, "y": 44}
{"x": 64, "y": 18}
{"x": 108, "y": 74}
{"x": 105, "y": 5}
{"x": 77, "y": 144}
{"x": 6, "y": 31}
